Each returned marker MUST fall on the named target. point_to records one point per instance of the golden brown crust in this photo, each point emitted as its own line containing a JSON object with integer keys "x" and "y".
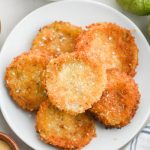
{"x": 74, "y": 82}
{"x": 69, "y": 149}
{"x": 119, "y": 101}
{"x": 56, "y": 38}
{"x": 114, "y": 45}
{"x": 63, "y": 130}
{"x": 23, "y": 79}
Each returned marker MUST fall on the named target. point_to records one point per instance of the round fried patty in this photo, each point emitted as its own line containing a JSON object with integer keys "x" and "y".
{"x": 64, "y": 130}
{"x": 24, "y": 80}
{"x": 119, "y": 101}
{"x": 56, "y": 38}
{"x": 112, "y": 44}
{"x": 74, "y": 82}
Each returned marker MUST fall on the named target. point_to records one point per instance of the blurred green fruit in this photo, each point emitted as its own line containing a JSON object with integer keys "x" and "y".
{"x": 138, "y": 7}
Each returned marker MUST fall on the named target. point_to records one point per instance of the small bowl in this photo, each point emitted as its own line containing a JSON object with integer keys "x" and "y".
{"x": 9, "y": 141}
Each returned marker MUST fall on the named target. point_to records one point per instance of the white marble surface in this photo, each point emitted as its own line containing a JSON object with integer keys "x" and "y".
{"x": 12, "y": 11}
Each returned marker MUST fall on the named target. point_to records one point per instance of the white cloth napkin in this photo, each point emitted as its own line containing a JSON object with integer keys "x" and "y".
{"x": 141, "y": 141}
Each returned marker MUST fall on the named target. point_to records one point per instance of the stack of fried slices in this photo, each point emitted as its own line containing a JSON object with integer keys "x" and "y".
{"x": 71, "y": 76}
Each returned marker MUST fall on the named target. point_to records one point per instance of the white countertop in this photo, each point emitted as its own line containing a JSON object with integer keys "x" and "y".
{"x": 12, "y": 11}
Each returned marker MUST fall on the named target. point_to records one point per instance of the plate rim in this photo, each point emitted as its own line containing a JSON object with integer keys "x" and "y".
{"x": 57, "y": 3}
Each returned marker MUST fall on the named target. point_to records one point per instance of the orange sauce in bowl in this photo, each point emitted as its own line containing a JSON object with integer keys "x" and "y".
{"x": 4, "y": 145}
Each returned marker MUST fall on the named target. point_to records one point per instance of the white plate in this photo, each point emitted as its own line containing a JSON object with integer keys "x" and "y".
{"x": 78, "y": 12}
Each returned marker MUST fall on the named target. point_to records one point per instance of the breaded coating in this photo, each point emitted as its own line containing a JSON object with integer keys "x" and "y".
{"x": 24, "y": 80}
{"x": 56, "y": 38}
{"x": 69, "y": 148}
{"x": 119, "y": 101}
{"x": 112, "y": 44}
{"x": 74, "y": 82}
{"x": 64, "y": 130}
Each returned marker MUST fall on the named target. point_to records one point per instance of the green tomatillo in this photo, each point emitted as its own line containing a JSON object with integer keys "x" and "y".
{"x": 138, "y": 7}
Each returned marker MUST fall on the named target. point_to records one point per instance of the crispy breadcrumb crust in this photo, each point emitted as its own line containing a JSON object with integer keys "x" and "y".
{"x": 64, "y": 130}
{"x": 74, "y": 82}
{"x": 56, "y": 38}
{"x": 69, "y": 149}
{"x": 119, "y": 101}
{"x": 114, "y": 45}
{"x": 23, "y": 79}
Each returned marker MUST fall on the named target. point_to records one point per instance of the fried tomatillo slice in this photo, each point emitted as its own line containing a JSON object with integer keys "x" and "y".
{"x": 119, "y": 101}
{"x": 112, "y": 44}
{"x": 56, "y": 38}
{"x": 64, "y": 130}
{"x": 74, "y": 82}
{"x": 24, "y": 80}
